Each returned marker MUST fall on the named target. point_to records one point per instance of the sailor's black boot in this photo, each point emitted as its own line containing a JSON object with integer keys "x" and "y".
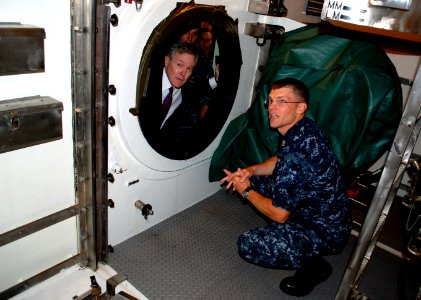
{"x": 307, "y": 277}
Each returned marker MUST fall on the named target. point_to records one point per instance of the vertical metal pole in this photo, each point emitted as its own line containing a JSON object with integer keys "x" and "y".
{"x": 103, "y": 15}
{"x": 83, "y": 43}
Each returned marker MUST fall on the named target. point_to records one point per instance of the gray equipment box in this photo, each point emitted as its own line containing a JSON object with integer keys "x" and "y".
{"x": 29, "y": 121}
{"x": 21, "y": 49}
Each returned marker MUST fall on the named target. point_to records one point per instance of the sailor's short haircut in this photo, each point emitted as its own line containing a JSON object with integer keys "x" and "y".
{"x": 299, "y": 88}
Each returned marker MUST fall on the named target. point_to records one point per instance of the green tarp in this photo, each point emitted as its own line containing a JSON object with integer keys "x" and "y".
{"x": 355, "y": 97}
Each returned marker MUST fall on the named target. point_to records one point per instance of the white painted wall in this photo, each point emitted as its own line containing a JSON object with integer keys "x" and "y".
{"x": 38, "y": 181}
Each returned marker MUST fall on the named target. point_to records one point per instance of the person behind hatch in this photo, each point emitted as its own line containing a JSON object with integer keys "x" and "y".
{"x": 205, "y": 43}
{"x": 204, "y": 69}
{"x": 165, "y": 95}
{"x": 189, "y": 32}
{"x": 203, "y": 81}
{"x": 300, "y": 190}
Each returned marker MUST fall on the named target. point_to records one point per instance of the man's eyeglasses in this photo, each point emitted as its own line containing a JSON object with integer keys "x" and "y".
{"x": 279, "y": 101}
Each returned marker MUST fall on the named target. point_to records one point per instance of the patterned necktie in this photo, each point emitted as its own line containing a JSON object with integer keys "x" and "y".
{"x": 166, "y": 104}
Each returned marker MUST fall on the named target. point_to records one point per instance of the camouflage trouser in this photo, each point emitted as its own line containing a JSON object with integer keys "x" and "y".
{"x": 280, "y": 246}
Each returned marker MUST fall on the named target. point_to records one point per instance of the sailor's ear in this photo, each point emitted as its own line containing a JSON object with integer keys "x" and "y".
{"x": 302, "y": 107}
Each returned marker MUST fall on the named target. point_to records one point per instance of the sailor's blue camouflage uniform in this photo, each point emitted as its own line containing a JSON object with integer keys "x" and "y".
{"x": 307, "y": 182}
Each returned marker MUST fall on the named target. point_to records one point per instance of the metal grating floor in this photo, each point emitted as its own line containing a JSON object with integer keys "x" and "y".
{"x": 193, "y": 255}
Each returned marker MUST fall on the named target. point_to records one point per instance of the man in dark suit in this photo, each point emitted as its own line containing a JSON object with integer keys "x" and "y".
{"x": 163, "y": 128}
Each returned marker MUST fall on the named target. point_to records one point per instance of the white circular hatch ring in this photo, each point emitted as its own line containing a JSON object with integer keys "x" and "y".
{"x": 127, "y": 41}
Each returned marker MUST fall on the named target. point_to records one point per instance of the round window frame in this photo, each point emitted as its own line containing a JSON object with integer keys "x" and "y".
{"x": 226, "y": 32}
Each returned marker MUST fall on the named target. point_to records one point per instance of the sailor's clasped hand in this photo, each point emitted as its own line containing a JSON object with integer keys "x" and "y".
{"x": 238, "y": 180}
